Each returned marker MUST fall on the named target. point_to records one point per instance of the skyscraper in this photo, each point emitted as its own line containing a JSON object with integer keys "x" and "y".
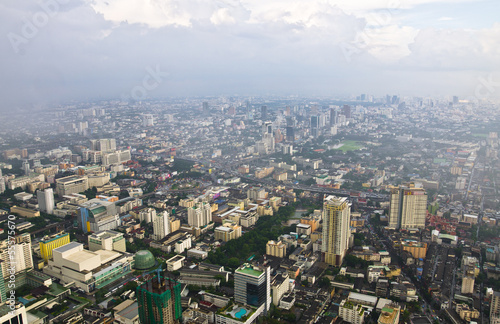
{"x": 263, "y": 112}
{"x": 161, "y": 226}
{"x": 46, "y": 200}
{"x": 336, "y": 230}
{"x": 199, "y": 215}
{"x": 252, "y": 285}
{"x": 26, "y": 167}
{"x": 333, "y": 117}
{"x": 408, "y": 207}
{"x": 290, "y": 134}
{"x": 205, "y": 106}
{"x": 159, "y": 301}
{"x": 346, "y": 110}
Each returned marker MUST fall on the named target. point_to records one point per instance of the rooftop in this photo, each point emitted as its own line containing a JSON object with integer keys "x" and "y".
{"x": 249, "y": 270}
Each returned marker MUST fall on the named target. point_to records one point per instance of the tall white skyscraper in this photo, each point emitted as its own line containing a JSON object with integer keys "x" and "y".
{"x": 26, "y": 167}
{"x": 46, "y": 200}
{"x": 336, "y": 229}
{"x": 200, "y": 214}
{"x": 161, "y": 225}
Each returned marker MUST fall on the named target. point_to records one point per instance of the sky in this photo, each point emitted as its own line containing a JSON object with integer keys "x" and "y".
{"x": 59, "y": 50}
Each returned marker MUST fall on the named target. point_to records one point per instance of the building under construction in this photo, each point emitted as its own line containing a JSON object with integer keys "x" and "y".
{"x": 159, "y": 301}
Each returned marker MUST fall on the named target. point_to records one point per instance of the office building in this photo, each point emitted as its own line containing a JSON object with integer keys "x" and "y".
{"x": 408, "y": 208}
{"x": 103, "y": 145}
{"x": 116, "y": 157}
{"x": 97, "y": 215}
{"x": 200, "y": 215}
{"x": 71, "y": 184}
{"x": 26, "y": 167}
{"x": 159, "y": 301}
{"x": 252, "y": 286}
{"x": 205, "y": 107}
{"x": 290, "y": 134}
{"x": 263, "y": 112}
{"x": 49, "y": 243}
{"x": 346, "y": 111}
{"x": 161, "y": 226}
{"x": 336, "y": 229}
{"x": 18, "y": 254}
{"x": 333, "y": 117}
{"x": 46, "y": 200}
{"x": 107, "y": 240}
{"x": 277, "y": 249}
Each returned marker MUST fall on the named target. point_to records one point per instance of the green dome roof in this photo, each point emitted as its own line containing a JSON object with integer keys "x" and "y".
{"x": 144, "y": 260}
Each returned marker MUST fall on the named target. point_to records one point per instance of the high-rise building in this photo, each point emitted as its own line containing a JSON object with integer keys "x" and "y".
{"x": 346, "y": 110}
{"x": 17, "y": 254}
{"x": 205, "y": 106}
{"x": 336, "y": 229}
{"x": 333, "y": 117}
{"x": 159, "y": 301}
{"x": 290, "y": 134}
{"x": 314, "y": 126}
{"x": 26, "y": 167}
{"x": 13, "y": 314}
{"x": 468, "y": 285}
{"x": 49, "y": 243}
{"x": 267, "y": 128}
{"x": 103, "y": 145}
{"x": 161, "y": 225}
{"x": 495, "y": 308}
{"x": 408, "y": 207}
{"x": 147, "y": 120}
{"x": 252, "y": 286}
{"x": 263, "y": 112}
{"x": 46, "y": 200}
{"x": 200, "y": 215}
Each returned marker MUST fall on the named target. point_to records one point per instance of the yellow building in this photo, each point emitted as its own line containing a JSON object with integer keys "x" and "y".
{"x": 24, "y": 212}
{"x": 389, "y": 314}
{"x": 49, "y": 243}
{"x": 417, "y": 249}
{"x": 227, "y": 232}
{"x": 277, "y": 249}
{"x": 336, "y": 230}
{"x": 310, "y": 221}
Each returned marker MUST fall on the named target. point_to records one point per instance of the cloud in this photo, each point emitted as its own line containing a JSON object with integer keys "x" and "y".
{"x": 101, "y": 49}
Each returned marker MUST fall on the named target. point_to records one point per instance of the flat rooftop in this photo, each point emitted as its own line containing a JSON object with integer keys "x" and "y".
{"x": 250, "y": 271}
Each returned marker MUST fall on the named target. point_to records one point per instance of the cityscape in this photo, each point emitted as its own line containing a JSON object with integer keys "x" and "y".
{"x": 249, "y": 162}
{"x": 252, "y": 210}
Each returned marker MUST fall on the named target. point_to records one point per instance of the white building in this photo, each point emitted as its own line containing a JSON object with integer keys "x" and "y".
{"x": 46, "y": 200}
{"x": 89, "y": 270}
{"x": 182, "y": 245}
{"x": 175, "y": 263}
{"x": 200, "y": 215}
{"x": 351, "y": 312}
{"x": 161, "y": 225}
{"x": 18, "y": 254}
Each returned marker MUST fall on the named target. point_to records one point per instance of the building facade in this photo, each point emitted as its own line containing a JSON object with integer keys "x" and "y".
{"x": 336, "y": 230}
{"x": 49, "y": 243}
{"x": 159, "y": 301}
{"x": 252, "y": 286}
{"x": 408, "y": 208}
